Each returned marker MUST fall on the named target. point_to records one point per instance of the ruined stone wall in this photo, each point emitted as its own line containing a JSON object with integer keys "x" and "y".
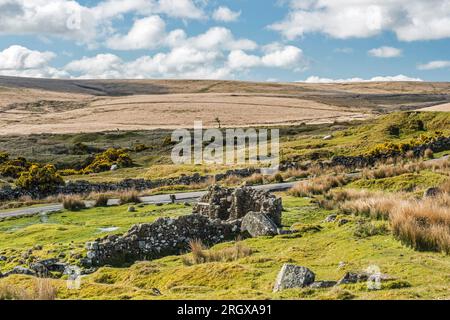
{"x": 231, "y": 204}
{"x": 166, "y": 236}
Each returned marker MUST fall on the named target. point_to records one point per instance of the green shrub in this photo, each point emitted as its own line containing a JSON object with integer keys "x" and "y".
{"x": 40, "y": 178}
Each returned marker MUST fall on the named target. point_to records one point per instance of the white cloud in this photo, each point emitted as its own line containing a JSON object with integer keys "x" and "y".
{"x": 410, "y": 20}
{"x": 238, "y": 59}
{"x": 102, "y": 66}
{"x": 315, "y": 79}
{"x": 20, "y": 61}
{"x": 276, "y": 56}
{"x": 432, "y": 65}
{"x": 219, "y": 37}
{"x": 225, "y": 14}
{"x": 385, "y": 52}
{"x": 146, "y": 33}
{"x": 62, "y": 18}
{"x": 68, "y": 19}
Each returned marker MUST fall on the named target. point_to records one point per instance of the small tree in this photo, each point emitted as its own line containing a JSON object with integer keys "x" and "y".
{"x": 218, "y": 122}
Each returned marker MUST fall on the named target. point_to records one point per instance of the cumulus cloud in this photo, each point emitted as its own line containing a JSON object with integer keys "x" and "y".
{"x": 68, "y": 19}
{"x": 276, "y": 56}
{"x": 410, "y": 20}
{"x": 315, "y": 79}
{"x": 146, "y": 33}
{"x": 225, "y": 14}
{"x": 385, "y": 52}
{"x": 20, "y": 61}
{"x": 433, "y": 65}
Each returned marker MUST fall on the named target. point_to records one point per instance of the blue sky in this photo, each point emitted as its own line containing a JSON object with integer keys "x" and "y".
{"x": 290, "y": 40}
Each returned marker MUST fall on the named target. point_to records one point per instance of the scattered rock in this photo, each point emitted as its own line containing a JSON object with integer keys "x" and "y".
{"x": 40, "y": 270}
{"x": 329, "y": 137}
{"x": 3, "y": 258}
{"x": 21, "y": 270}
{"x": 341, "y": 222}
{"x": 432, "y": 192}
{"x": 258, "y": 224}
{"x": 292, "y": 276}
{"x": 131, "y": 209}
{"x": 323, "y": 284}
{"x": 156, "y": 292}
{"x": 331, "y": 218}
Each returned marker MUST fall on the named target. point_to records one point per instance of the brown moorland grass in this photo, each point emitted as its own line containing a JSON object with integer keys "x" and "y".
{"x": 42, "y": 289}
{"x": 199, "y": 254}
{"x": 73, "y": 203}
{"x": 318, "y": 185}
{"x": 423, "y": 224}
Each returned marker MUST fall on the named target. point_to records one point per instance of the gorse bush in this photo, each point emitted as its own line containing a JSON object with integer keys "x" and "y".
{"x": 104, "y": 161}
{"x": 13, "y": 168}
{"x": 40, "y": 178}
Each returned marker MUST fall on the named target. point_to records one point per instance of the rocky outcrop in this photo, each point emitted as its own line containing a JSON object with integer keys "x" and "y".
{"x": 292, "y": 276}
{"x": 258, "y": 224}
{"x": 166, "y": 236}
{"x": 232, "y": 204}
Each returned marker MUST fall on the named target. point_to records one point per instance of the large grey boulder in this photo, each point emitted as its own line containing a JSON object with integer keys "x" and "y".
{"x": 292, "y": 276}
{"x": 258, "y": 224}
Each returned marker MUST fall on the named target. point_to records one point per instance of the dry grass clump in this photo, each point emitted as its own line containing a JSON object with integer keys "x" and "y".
{"x": 375, "y": 207}
{"x": 423, "y": 225}
{"x": 316, "y": 186}
{"x": 254, "y": 179}
{"x": 130, "y": 196}
{"x": 232, "y": 181}
{"x": 101, "y": 200}
{"x": 384, "y": 171}
{"x": 73, "y": 203}
{"x": 42, "y": 289}
{"x": 199, "y": 254}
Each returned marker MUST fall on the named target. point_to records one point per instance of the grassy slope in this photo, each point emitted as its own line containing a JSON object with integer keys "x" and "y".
{"x": 251, "y": 277}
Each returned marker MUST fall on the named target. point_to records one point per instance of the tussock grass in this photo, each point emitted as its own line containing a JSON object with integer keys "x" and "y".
{"x": 42, "y": 289}
{"x": 316, "y": 186}
{"x": 73, "y": 203}
{"x": 421, "y": 224}
{"x": 101, "y": 200}
{"x": 130, "y": 196}
{"x": 200, "y": 255}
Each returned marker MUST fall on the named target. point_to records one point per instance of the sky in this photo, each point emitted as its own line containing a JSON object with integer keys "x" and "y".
{"x": 258, "y": 40}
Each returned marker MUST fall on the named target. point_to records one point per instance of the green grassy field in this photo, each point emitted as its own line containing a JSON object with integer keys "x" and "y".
{"x": 326, "y": 248}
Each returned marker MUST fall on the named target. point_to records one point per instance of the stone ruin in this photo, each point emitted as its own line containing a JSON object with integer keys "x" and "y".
{"x": 218, "y": 217}
{"x": 231, "y": 204}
